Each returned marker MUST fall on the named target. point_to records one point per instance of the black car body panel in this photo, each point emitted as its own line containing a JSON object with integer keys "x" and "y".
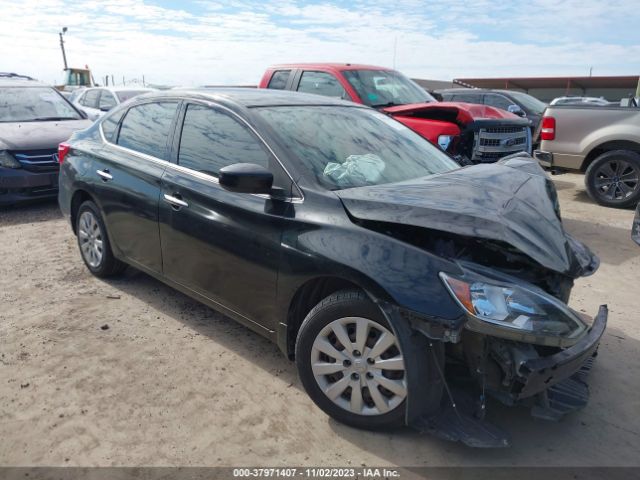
{"x": 266, "y": 260}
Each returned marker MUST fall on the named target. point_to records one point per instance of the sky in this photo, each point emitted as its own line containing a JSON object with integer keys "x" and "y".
{"x": 199, "y": 42}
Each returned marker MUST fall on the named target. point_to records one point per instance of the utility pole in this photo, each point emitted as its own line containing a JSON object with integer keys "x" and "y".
{"x": 64, "y": 55}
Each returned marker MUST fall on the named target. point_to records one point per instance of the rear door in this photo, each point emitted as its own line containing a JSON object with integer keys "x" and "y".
{"x": 224, "y": 246}
{"x": 128, "y": 179}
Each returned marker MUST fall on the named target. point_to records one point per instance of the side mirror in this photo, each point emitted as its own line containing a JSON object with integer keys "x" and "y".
{"x": 245, "y": 178}
{"x": 516, "y": 110}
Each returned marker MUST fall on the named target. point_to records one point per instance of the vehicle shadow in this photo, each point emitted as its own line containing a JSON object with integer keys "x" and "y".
{"x": 569, "y": 442}
{"x": 40, "y": 211}
{"x": 583, "y": 197}
{"x": 601, "y": 237}
{"x": 562, "y": 185}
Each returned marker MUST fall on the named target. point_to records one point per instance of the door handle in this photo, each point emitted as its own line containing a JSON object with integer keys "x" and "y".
{"x": 175, "y": 201}
{"x": 104, "y": 174}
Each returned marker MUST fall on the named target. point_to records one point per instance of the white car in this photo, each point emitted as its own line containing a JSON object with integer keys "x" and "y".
{"x": 95, "y": 102}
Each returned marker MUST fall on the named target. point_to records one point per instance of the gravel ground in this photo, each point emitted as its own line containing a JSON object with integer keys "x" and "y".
{"x": 131, "y": 372}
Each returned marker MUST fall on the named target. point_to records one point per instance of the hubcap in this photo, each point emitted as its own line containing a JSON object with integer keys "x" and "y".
{"x": 90, "y": 239}
{"x": 617, "y": 180}
{"x": 358, "y": 365}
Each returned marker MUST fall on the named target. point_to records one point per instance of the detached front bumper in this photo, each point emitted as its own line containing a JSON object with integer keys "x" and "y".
{"x": 18, "y": 185}
{"x": 540, "y": 374}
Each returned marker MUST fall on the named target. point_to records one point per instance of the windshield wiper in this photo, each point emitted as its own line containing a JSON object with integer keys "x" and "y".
{"x": 385, "y": 105}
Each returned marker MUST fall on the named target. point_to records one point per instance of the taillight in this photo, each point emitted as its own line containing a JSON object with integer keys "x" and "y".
{"x": 63, "y": 149}
{"x": 548, "y": 131}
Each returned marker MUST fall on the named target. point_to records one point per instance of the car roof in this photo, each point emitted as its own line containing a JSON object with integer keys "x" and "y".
{"x": 329, "y": 65}
{"x": 20, "y": 82}
{"x": 123, "y": 89}
{"x": 252, "y": 97}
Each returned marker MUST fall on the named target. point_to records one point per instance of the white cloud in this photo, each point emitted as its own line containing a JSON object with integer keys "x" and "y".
{"x": 234, "y": 43}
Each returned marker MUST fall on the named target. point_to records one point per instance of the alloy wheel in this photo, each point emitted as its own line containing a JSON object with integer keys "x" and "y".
{"x": 617, "y": 180}
{"x": 91, "y": 242}
{"x": 359, "y": 366}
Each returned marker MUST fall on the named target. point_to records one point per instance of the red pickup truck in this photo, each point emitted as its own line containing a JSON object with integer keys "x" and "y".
{"x": 472, "y": 133}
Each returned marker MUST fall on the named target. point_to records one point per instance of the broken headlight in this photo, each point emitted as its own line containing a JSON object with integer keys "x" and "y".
{"x": 515, "y": 312}
{"x": 7, "y": 160}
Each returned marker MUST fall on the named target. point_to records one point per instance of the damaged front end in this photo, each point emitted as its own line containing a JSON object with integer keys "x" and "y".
{"x": 511, "y": 274}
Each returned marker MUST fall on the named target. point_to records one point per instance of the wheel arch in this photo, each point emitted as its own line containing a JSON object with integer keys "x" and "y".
{"x": 79, "y": 197}
{"x": 608, "y": 146}
{"x": 312, "y": 292}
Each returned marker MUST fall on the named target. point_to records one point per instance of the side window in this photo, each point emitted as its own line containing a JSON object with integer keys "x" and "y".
{"x": 146, "y": 128}
{"x": 469, "y": 98}
{"x": 498, "y": 101}
{"x": 110, "y": 126}
{"x": 279, "y": 79}
{"x": 107, "y": 100}
{"x": 321, "y": 83}
{"x": 211, "y": 140}
{"x": 90, "y": 99}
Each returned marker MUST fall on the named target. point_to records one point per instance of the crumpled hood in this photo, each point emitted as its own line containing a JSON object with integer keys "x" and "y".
{"x": 460, "y": 112}
{"x": 38, "y": 135}
{"x": 511, "y": 201}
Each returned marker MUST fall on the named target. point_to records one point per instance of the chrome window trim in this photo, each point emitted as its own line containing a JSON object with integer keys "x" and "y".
{"x": 196, "y": 173}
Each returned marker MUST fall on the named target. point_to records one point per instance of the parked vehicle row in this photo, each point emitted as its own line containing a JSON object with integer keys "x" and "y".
{"x": 519, "y": 103}
{"x": 601, "y": 141}
{"x": 471, "y": 133}
{"x": 95, "y": 102}
{"x": 388, "y": 272}
{"x": 34, "y": 119}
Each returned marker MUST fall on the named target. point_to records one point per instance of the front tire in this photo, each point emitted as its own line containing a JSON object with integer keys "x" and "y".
{"x": 613, "y": 179}
{"x": 350, "y": 362}
{"x": 93, "y": 242}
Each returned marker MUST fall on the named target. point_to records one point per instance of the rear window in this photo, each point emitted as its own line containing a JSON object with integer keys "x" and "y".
{"x": 110, "y": 125}
{"x": 33, "y": 104}
{"x": 90, "y": 99}
{"x": 279, "y": 80}
{"x": 146, "y": 128}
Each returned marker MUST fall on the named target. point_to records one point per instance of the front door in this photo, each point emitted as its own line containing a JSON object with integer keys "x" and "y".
{"x": 222, "y": 245}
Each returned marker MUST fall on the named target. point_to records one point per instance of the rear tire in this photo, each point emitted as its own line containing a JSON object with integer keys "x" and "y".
{"x": 354, "y": 370}
{"x": 613, "y": 179}
{"x": 93, "y": 242}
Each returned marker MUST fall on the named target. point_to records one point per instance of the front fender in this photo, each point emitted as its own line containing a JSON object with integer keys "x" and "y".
{"x": 389, "y": 270}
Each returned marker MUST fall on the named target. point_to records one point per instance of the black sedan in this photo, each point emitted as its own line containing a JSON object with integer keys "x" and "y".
{"x": 388, "y": 272}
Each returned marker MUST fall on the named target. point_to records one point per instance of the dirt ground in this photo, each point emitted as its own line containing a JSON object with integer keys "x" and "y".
{"x": 131, "y": 372}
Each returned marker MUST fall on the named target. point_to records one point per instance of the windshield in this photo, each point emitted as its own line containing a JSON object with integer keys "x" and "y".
{"x": 124, "y": 95}
{"x": 346, "y": 147}
{"x": 530, "y": 103}
{"x": 385, "y": 88}
{"x": 32, "y": 104}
